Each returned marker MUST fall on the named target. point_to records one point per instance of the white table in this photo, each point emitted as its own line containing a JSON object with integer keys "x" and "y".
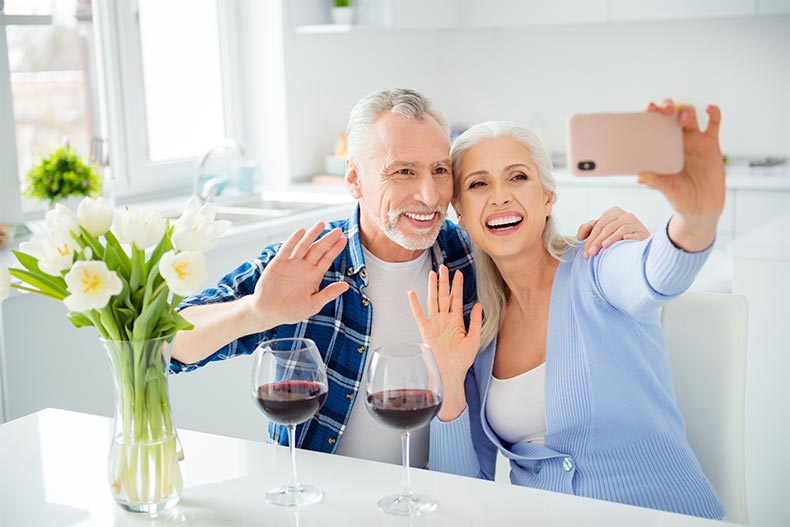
{"x": 53, "y": 473}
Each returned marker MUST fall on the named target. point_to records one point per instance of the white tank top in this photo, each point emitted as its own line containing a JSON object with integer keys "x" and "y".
{"x": 516, "y": 407}
{"x": 388, "y": 282}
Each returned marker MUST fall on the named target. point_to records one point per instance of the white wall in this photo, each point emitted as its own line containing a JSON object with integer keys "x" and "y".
{"x": 539, "y": 75}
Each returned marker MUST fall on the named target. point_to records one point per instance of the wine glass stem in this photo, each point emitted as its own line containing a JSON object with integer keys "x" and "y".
{"x": 406, "y": 474}
{"x": 293, "y": 486}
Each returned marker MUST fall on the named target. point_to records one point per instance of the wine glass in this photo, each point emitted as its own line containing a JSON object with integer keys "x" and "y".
{"x": 289, "y": 386}
{"x": 404, "y": 391}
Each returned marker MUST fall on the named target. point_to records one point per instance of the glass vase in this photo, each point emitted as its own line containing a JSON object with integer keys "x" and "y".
{"x": 143, "y": 469}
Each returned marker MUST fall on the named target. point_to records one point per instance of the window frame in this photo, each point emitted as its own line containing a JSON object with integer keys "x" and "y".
{"x": 131, "y": 174}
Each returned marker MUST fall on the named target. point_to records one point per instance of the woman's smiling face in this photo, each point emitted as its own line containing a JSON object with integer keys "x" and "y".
{"x": 502, "y": 201}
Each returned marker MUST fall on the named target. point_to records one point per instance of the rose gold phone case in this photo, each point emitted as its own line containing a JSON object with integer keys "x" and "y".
{"x": 605, "y": 144}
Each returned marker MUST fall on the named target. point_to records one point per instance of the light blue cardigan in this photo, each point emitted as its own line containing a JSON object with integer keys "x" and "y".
{"x": 613, "y": 428}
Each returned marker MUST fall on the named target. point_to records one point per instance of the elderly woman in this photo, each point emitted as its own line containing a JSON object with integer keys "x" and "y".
{"x": 572, "y": 379}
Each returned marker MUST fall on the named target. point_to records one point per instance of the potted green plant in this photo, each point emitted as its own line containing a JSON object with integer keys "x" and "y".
{"x": 342, "y": 12}
{"x": 60, "y": 175}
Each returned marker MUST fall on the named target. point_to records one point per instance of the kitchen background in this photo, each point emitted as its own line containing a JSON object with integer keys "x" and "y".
{"x": 289, "y": 79}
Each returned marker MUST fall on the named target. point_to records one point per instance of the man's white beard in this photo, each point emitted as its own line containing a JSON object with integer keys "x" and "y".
{"x": 418, "y": 242}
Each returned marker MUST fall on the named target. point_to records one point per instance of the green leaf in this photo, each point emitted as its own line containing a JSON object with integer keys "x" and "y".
{"x": 88, "y": 239}
{"x": 117, "y": 250}
{"x": 54, "y": 286}
{"x": 28, "y": 262}
{"x": 148, "y": 319}
{"x": 162, "y": 247}
{"x": 79, "y": 319}
{"x": 138, "y": 266}
{"x": 182, "y": 324}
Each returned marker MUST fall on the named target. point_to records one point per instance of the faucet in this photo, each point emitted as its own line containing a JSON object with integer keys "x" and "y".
{"x": 206, "y": 192}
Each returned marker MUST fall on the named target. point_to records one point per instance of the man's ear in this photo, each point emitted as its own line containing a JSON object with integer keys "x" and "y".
{"x": 352, "y": 179}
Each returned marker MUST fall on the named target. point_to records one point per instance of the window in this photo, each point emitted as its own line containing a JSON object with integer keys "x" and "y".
{"x": 52, "y": 77}
{"x": 167, "y": 83}
{"x": 155, "y": 81}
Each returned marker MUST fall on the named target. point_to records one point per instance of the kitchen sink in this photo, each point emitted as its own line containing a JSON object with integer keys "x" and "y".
{"x": 256, "y": 208}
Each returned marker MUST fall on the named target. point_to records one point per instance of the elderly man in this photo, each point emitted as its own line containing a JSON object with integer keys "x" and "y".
{"x": 347, "y": 289}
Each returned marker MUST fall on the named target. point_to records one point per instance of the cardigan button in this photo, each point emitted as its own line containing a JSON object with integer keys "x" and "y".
{"x": 567, "y": 464}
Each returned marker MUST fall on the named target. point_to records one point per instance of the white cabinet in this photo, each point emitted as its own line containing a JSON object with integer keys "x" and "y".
{"x": 761, "y": 263}
{"x": 773, "y": 7}
{"x": 516, "y": 13}
{"x": 755, "y": 207}
{"x": 631, "y": 10}
{"x": 579, "y": 200}
{"x": 460, "y": 14}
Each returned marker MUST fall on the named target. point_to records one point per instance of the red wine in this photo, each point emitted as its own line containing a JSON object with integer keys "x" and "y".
{"x": 291, "y": 402}
{"x": 404, "y": 409}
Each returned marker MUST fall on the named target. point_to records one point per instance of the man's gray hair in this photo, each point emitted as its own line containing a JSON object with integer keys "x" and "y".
{"x": 408, "y": 103}
{"x": 492, "y": 290}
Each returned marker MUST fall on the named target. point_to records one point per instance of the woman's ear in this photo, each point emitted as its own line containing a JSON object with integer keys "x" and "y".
{"x": 549, "y": 198}
{"x": 352, "y": 179}
{"x": 457, "y": 209}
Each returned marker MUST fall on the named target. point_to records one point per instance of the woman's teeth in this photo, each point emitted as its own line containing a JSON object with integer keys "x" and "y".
{"x": 504, "y": 223}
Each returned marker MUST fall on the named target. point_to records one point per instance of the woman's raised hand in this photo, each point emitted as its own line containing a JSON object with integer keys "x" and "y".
{"x": 696, "y": 193}
{"x": 443, "y": 329}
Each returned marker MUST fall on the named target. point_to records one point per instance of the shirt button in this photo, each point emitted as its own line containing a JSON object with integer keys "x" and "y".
{"x": 361, "y": 349}
{"x": 536, "y": 467}
{"x": 567, "y": 464}
{"x": 332, "y": 440}
{"x": 365, "y": 302}
{"x": 349, "y": 396}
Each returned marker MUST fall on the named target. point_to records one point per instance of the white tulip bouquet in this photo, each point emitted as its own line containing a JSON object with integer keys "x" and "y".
{"x": 124, "y": 274}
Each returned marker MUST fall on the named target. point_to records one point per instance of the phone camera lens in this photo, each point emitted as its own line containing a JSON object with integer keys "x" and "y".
{"x": 586, "y": 165}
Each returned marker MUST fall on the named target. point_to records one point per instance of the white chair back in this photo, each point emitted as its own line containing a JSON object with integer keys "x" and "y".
{"x": 706, "y": 337}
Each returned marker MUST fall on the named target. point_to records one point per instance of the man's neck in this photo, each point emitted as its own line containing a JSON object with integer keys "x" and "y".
{"x": 381, "y": 246}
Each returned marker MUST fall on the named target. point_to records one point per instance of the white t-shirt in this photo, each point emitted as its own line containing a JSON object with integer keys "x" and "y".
{"x": 516, "y": 407}
{"x": 388, "y": 283}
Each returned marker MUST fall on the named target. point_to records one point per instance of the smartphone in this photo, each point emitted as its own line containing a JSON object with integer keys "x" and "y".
{"x": 606, "y": 144}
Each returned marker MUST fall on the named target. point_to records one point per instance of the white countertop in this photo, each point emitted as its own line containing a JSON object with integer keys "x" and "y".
{"x": 54, "y": 465}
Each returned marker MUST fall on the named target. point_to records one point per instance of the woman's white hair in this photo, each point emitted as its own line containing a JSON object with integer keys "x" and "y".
{"x": 408, "y": 103}
{"x": 492, "y": 291}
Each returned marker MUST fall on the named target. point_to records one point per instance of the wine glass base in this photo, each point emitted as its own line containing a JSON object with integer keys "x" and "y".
{"x": 293, "y": 497}
{"x": 411, "y": 505}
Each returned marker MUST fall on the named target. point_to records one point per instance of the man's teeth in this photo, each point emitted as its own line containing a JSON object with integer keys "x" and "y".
{"x": 505, "y": 221}
{"x": 427, "y": 216}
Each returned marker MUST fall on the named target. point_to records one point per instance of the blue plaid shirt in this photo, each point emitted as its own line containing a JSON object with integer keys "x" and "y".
{"x": 341, "y": 329}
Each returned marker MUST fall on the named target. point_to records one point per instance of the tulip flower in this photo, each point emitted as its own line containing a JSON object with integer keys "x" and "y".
{"x": 91, "y": 285}
{"x": 197, "y": 229}
{"x": 55, "y": 253}
{"x": 61, "y": 220}
{"x": 141, "y": 227}
{"x": 183, "y": 272}
{"x": 95, "y": 215}
{"x": 5, "y": 282}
